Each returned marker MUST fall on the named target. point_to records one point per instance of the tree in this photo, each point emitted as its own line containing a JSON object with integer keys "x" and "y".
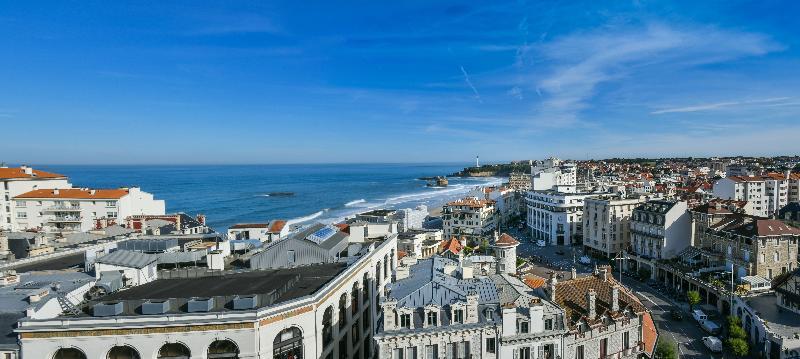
{"x": 739, "y": 347}
{"x": 736, "y": 332}
{"x": 666, "y": 349}
{"x": 733, "y": 321}
{"x": 693, "y": 297}
{"x": 644, "y": 274}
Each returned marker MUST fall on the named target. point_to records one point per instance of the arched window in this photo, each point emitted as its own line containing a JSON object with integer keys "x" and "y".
{"x": 327, "y": 327}
{"x": 354, "y": 298}
{"x": 343, "y": 310}
{"x": 123, "y": 352}
{"x": 378, "y": 273}
{"x": 69, "y": 353}
{"x": 223, "y": 349}
{"x": 288, "y": 344}
{"x": 776, "y": 257}
{"x": 174, "y": 351}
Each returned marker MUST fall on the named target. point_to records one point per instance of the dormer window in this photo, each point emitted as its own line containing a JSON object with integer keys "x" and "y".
{"x": 405, "y": 320}
{"x": 432, "y": 318}
{"x": 458, "y": 316}
{"x": 523, "y": 327}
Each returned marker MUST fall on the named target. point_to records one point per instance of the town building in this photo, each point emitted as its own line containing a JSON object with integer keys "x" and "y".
{"x": 322, "y": 310}
{"x": 519, "y": 181}
{"x": 556, "y": 217}
{"x": 753, "y": 246}
{"x": 606, "y": 224}
{"x": 603, "y": 318}
{"x": 740, "y": 188}
{"x": 660, "y": 229}
{"x": 23, "y": 179}
{"x": 553, "y": 172}
{"x": 470, "y": 217}
{"x": 174, "y": 223}
{"x": 265, "y": 232}
{"x": 79, "y": 209}
{"x": 421, "y": 243}
{"x": 318, "y": 243}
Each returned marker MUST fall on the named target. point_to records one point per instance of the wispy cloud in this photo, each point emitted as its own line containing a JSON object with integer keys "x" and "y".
{"x": 469, "y": 83}
{"x": 777, "y": 101}
{"x": 583, "y": 61}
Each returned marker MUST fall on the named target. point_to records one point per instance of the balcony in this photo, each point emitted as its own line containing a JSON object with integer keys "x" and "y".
{"x": 64, "y": 219}
{"x": 63, "y": 208}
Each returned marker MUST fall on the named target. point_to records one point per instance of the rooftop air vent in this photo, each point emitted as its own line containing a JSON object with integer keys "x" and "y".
{"x": 200, "y": 305}
{"x": 107, "y": 309}
{"x": 155, "y": 306}
{"x": 245, "y": 302}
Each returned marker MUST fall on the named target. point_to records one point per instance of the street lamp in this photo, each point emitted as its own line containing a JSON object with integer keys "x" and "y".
{"x": 621, "y": 257}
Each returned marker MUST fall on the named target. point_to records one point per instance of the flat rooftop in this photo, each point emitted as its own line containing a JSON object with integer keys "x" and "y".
{"x": 270, "y": 286}
{"x": 781, "y": 321}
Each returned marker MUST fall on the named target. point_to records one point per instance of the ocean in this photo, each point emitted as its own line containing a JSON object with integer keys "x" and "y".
{"x": 229, "y": 194}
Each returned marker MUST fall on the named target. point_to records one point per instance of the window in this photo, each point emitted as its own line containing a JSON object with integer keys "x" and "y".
{"x": 433, "y": 318}
{"x": 290, "y": 255}
{"x": 579, "y": 352}
{"x": 69, "y": 353}
{"x": 432, "y": 351}
{"x": 111, "y": 203}
{"x": 548, "y": 324}
{"x": 522, "y": 326}
{"x": 327, "y": 327}
{"x": 603, "y": 348}
{"x": 626, "y": 340}
{"x": 411, "y": 352}
{"x": 223, "y": 349}
{"x": 490, "y": 345}
{"x": 174, "y": 351}
{"x": 458, "y": 316}
{"x": 524, "y": 353}
{"x": 405, "y": 320}
{"x": 22, "y": 215}
{"x": 399, "y": 353}
{"x": 21, "y": 203}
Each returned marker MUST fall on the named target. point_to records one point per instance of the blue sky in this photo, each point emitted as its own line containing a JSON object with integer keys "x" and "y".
{"x": 376, "y": 81}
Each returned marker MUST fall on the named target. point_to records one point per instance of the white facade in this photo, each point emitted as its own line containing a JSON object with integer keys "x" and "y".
{"x": 661, "y": 229}
{"x": 554, "y": 172}
{"x": 556, "y": 217}
{"x": 254, "y": 332}
{"x": 750, "y": 189}
{"x": 77, "y": 209}
{"x": 16, "y": 181}
{"x": 471, "y": 217}
{"x": 606, "y": 224}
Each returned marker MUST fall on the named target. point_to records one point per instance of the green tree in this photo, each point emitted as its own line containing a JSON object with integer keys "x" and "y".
{"x": 736, "y": 332}
{"x": 644, "y": 274}
{"x": 693, "y": 297}
{"x": 666, "y": 349}
{"x": 733, "y": 321}
{"x": 739, "y": 347}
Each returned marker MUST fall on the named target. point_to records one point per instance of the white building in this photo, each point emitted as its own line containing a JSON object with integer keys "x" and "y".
{"x": 264, "y": 232}
{"x": 556, "y": 217}
{"x": 16, "y": 181}
{"x": 136, "y": 268}
{"x": 554, "y": 172}
{"x": 315, "y": 311}
{"x": 751, "y": 189}
{"x": 79, "y": 209}
{"x": 606, "y": 223}
{"x": 660, "y": 229}
{"x": 412, "y": 218}
{"x": 470, "y": 217}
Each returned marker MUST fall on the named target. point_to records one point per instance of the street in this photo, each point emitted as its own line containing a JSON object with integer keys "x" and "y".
{"x": 686, "y": 333}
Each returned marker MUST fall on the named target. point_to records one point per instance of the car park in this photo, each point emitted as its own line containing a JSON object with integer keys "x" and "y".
{"x": 713, "y": 344}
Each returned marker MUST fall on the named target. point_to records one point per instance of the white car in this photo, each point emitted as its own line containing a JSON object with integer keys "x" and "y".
{"x": 585, "y": 260}
{"x": 540, "y": 243}
{"x": 713, "y": 344}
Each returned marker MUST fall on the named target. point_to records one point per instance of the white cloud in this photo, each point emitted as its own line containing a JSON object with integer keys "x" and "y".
{"x": 778, "y": 101}
{"x": 469, "y": 83}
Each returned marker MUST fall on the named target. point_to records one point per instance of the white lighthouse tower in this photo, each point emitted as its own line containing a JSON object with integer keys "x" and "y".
{"x": 477, "y": 161}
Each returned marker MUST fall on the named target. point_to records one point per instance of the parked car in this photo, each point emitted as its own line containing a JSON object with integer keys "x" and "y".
{"x": 585, "y": 260}
{"x": 540, "y": 243}
{"x": 676, "y": 314}
{"x": 713, "y": 344}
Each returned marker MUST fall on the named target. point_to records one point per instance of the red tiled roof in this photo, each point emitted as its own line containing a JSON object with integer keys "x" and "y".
{"x": 472, "y": 202}
{"x": 506, "y": 240}
{"x": 452, "y": 245}
{"x": 534, "y": 281}
{"x": 19, "y": 173}
{"x": 649, "y": 334}
{"x": 277, "y": 225}
{"x": 76, "y": 193}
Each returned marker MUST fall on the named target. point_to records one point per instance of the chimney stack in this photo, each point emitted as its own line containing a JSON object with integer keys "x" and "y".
{"x": 591, "y": 300}
{"x": 615, "y": 298}
{"x": 28, "y": 170}
{"x": 573, "y": 274}
{"x": 92, "y": 192}
{"x": 552, "y": 285}
{"x": 55, "y": 192}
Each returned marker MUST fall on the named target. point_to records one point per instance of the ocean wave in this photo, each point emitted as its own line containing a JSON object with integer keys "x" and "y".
{"x": 306, "y": 218}
{"x": 353, "y": 203}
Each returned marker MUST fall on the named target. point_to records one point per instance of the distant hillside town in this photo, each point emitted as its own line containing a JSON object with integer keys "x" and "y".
{"x": 565, "y": 259}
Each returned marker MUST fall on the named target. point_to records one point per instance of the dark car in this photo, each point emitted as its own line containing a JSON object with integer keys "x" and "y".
{"x": 676, "y": 314}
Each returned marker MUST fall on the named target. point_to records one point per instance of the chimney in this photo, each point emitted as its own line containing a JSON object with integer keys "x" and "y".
{"x": 55, "y": 192}
{"x": 509, "y": 320}
{"x": 573, "y": 274}
{"x": 615, "y": 298}
{"x": 591, "y": 297}
{"x": 202, "y": 219}
{"x": 28, "y": 170}
{"x": 536, "y": 316}
{"x": 552, "y": 285}
{"x": 389, "y": 307}
{"x": 92, "y": 192}
{"x": 472, "y": 308}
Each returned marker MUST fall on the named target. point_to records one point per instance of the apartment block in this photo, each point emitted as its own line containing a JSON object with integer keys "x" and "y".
{"x": 19, "y": 180}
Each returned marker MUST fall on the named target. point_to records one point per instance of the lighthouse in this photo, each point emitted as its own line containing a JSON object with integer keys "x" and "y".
{"x": 477, "y": 161}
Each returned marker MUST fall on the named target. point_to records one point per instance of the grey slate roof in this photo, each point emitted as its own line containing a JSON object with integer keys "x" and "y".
{"x": 130, "y": 259}
{"x": 428, "y": 284}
